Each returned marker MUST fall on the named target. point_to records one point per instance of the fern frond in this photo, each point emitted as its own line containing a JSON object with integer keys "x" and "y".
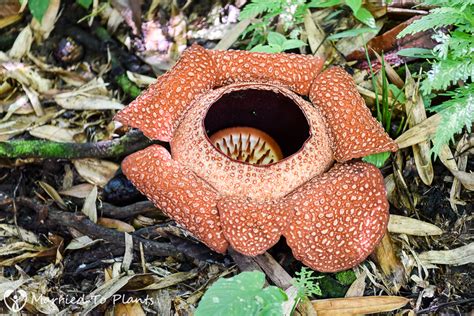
{"x": 437, "y": 18}
{"x": 447, "y": 72}
{"x": 456, "y": 113}
{"x": 463, "y": 4}
{"x": 257, "y": 7}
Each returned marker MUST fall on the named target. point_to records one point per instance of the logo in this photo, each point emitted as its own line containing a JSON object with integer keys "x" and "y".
{"x": 15, "y": 300}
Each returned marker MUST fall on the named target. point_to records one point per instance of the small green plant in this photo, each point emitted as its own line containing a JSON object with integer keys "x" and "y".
{"x": 278, "y": 43}
{"x": 289, "y": 14}
{"x": 242, "y": 295}
{"x": 359, "y": 12}
{"x": 38, "y": 7}
{"x": 384, "y": 108}
{"x": 306, "y": 283}
{"x": 452, "y": 65}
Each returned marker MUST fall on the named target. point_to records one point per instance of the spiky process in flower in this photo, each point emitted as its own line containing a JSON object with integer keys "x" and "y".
{"x": 252, "y": 161}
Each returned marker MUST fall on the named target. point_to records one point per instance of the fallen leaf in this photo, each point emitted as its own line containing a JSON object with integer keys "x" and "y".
{"x": 416, "y": 113}
{"x": 22, "y": 44}
{"x": 456, "y": 257}
{"x": 81, "y": 102}
{"x": 95, "y": 171}
{"x": 54, "y": 133}
{"x": 89, "y": 208}
{"x": 420, "y": 132}
{"x": 410, "y": 226}
{"x": 79, "y": 191}
{"x": 14, "y": 231}
{"x": 104, "y": 292}
{"x": 115, "y": 224}
{"x": 129, "y": 309}
{"x": 358, "y": 305}
{"x": 52, "y": 193}
{"x": 82, "y": 242}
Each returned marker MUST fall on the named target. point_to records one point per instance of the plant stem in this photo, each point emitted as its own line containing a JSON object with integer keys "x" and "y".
{"x": 125, "y": 145}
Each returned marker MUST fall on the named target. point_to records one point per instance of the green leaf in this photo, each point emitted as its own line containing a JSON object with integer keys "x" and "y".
{"x": 378, "y": 159}
{"x": 416, "y": 52}
{"x": 354, "y": 5}
{"x": 84, "y": 3}
{"x": 242, "y": 295}
{"x": 38, "y": 8}
{"x": 306, "y": 283}
{"x": 257, "y": 7}
{"x": 447, "y": 72}
{"x": 437, "y": 18}
{"x": 323, "y": 3}
{"x": 352, "y": 33}
{"x": 397, "y": 93}
{"x": 456, "y": 113}
{"x": 365, "y": 17}
{"x": 292, "y": 44}
{"x": 266, "y": 49}
{"x": 275, "y": 38}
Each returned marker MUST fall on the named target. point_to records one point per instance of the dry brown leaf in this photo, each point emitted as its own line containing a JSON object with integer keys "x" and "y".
{"x": 18, "y": 247}
{"x": 357, "y": 287}
{"x": 9, "y": 20}
{"x": 89, "y": 208}
{"x": 22, "y": 44}
{"x": 419, "y": 133}
{"x": 144, "y": 282}
{"x": 82, "y": 242}
{"x": 34, "y": 100}
{"x": 128, "y": 253}
{"x": 358, "y": 305}
{"x": 455, "y": 257}
{"x": 115, "y": 224}
{"x": 466, "y": 178}
{"x": 20, "y": 123}
{"x": 82, "y": 102}
{"x": 105, "y": 291}
{"x": 140, "y": 80}
{"x": 447, "y": 158}
{"x": 54, "y": 133}
{"x": 410, "y": 226}
{"x": 129, "y": 309}
{"x": 26, "y": 255}
{"x": 14, "y": 231}
{"x": 15, "y": 107}
{"x": 52, "y": 194}
{"x": 416, "y": 113}
{"x": 95, "y": 171}
{"x": 9, "y": 7}
{"x": 79, "y": 191}
{"x": 26, "y": 75}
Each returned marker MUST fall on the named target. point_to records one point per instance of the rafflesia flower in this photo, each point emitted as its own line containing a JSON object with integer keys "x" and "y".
{"x": 252, "y": 160}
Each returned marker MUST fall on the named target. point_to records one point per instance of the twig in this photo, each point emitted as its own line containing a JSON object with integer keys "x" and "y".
{"x": 127, "y": 144}
{"x": 112, "y": 211}
{"x": 437, "y": 307}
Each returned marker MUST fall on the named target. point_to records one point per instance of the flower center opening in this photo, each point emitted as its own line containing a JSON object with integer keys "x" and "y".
{"x": 256, "y": 126}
